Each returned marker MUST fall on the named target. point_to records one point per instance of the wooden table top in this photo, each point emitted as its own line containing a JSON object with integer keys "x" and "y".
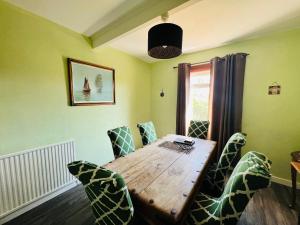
{"x": 163, "y": 179}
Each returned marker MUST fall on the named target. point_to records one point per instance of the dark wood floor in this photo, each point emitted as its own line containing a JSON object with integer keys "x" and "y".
{"x": 268, "y": 207}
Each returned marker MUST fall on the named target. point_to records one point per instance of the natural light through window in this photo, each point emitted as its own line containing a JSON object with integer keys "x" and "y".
{"x": 199, "y": 95}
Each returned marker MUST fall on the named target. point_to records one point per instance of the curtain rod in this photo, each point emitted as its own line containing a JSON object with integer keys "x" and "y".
{"x": 204, "y": 62}
{"x": 194, "y": 64}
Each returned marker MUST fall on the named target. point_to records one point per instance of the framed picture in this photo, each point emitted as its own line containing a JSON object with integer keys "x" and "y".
{"x": 91, "y": 84}
{"x": 274, "y": 89}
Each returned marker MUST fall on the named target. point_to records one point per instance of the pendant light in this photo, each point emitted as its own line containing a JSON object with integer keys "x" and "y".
{"x": 165, "y": 40}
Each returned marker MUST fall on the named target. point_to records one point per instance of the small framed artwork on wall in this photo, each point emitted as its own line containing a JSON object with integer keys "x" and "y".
{"x": 90, "y": 84}
{"x": 274, "y": 89}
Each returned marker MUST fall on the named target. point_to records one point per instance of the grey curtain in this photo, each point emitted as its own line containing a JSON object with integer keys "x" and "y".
{"x": 226, "y": 98}
{"x": 182, "y": 97}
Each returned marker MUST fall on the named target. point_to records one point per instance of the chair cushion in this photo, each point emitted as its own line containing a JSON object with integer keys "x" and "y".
{"x": 198, "y": 129}
{"x": 147, "y": 132}
{"x": 121, "y": 140}
{"x": 107, "y": 192}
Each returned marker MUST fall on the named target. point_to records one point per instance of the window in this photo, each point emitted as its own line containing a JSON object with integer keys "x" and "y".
{"x": 199, "y": 92}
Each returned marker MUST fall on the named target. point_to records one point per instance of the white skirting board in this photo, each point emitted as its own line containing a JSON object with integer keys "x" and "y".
{"x": 283, "y": 181}
{"x": 37, "y": 202}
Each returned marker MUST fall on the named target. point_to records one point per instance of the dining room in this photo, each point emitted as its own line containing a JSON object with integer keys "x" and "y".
{"x": 148, "y": 112}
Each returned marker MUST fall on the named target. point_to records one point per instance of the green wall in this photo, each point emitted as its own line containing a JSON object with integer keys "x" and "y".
{"x": 271, "y": 122}
{"x": 34, "y": 94}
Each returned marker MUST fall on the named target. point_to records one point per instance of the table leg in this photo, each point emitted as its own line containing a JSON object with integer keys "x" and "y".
{"x": 294, "y": 177}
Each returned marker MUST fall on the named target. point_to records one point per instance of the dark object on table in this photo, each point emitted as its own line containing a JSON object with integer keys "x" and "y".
{"x": 184, "y": 141}
{"x": 295, "y": 156}
{"x": 185, "y": 147}
{"x": 170, "y": 145}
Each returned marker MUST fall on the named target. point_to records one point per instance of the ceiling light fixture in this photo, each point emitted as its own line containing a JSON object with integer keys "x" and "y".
{"x": 165, "y": 40}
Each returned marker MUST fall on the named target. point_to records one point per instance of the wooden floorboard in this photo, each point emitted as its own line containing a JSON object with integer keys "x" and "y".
{"x": 268, "y": 207}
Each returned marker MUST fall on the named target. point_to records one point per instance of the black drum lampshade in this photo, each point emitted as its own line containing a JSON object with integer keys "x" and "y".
{"x": 165, "y": 41}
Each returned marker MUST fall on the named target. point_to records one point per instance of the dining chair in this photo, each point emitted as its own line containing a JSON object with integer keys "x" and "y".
{"x": 262, "y": 158}
{"x": 147, "y": 132}
{"x": 249, "y": 175}
{"x": 107, "y": 192}
{"x": 216, "y": 176}
{"x": 121, "y": 141}
{"x": 198, "y": 129}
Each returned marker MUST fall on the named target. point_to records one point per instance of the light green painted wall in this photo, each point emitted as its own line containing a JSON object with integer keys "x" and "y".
{"x": 271, "y": 122}
{"x": 34, "y": 98}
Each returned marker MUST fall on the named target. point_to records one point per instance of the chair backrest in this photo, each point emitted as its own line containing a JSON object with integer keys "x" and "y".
{"x": 121, "y": 141}
{"x": 147, "y": 131}
{"x": 249, "y": 175}
{"x": 230, "y": 151}
{"x": 198, "y": 129}
{"x": 261, "y": 158}
{"x": 107, "y": 192}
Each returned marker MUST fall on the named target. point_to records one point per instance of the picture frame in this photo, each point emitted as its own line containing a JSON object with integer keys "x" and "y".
{"x": 274, "y": 89}
{"x": 90, "y": 84}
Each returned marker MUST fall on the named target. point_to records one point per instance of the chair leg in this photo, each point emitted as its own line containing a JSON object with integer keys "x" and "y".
{"x": 294, "y": 178}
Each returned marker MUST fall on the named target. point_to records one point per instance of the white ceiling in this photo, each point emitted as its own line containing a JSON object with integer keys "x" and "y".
{"x": 82, "y": 16}
{"x": 206, "y": 24}
{"x": 211, "y": 23}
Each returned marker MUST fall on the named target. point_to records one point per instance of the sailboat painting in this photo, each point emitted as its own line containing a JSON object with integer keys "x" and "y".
{"x": 86, "y": 86}
{"x": 90, "y": 84}
{"x": 98, "y": 82}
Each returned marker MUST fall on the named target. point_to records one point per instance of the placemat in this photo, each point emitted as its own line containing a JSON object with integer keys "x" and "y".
{"x": 176, "y": 147}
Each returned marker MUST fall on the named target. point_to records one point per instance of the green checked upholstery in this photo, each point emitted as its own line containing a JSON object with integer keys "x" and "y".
{"x": 107, "y": 191}
{"x": 216, "y": 175}
{"x": 121, "y": 141}
{"x": 250, "y": 175}
{"x": 198, "y": 129}
{"x": 261, "y": 158}
{"x": 147, "y": 132}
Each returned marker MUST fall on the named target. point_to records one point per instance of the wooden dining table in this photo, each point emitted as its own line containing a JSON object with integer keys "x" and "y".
{"x": 162, "y": 179}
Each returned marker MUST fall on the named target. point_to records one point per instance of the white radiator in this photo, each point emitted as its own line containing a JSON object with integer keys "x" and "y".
{"x": 30, "y": 176}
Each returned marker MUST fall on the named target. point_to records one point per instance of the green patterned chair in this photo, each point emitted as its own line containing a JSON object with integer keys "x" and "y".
{"x": 250, "y": 175}
{"x": 121, "y": 140}
{"x": 216, "y": 175}
{"x": 261, "y": 158}
{"x": 107, "y": 192}
{"x": 198, "y": 129}
{"x": 147, "y": 131}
